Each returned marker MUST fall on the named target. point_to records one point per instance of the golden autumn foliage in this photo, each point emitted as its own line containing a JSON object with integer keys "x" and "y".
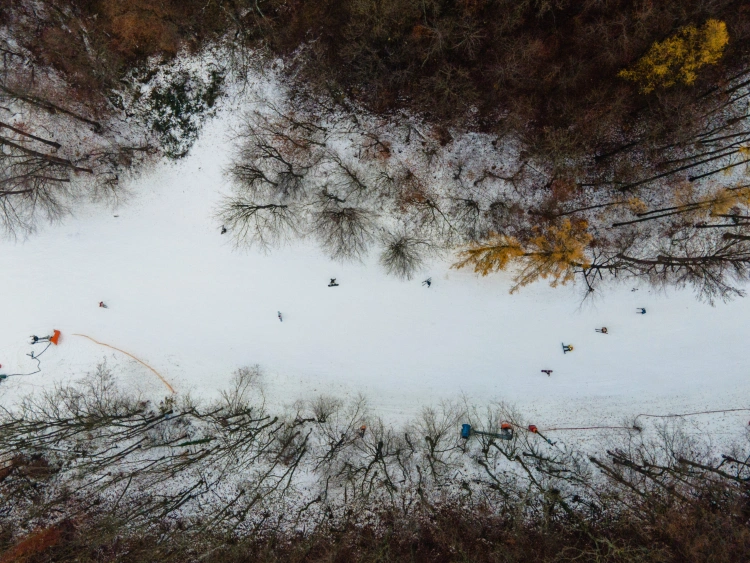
{"x": 553, "y": 253}
{"x": 717, "y": 202}
{"x": 726, "y": 199}
{"x": 678, "y": 58}
{"x": 492, "y": 255}
{"x": 637, "y": 205}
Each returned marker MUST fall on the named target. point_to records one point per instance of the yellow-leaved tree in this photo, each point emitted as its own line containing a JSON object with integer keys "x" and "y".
{"x": 727, "y": 198}
{"x": 552, "y": 253}
{"x": 678, "y": 58}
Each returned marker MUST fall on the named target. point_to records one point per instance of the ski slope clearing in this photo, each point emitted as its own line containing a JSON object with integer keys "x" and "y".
{"x": 188, "y": 304}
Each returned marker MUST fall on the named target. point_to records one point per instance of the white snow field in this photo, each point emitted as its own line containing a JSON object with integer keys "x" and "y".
{"x": 187, "y": 303}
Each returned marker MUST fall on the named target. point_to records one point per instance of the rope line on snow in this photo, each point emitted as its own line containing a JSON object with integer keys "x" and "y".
{"x": 687, "y": 413}
{"x": 635, "y": 427}
{"x": 164, "y": 381}
{"x": 593, "y": 428}
{"x": 33, "y": 357}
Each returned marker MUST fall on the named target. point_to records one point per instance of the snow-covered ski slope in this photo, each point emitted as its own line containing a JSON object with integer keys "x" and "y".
{"x": 187, "y": 303}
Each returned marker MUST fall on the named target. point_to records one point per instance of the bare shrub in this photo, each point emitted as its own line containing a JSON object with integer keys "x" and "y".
{"x": 325, "y": 406}
{"x": 245, "y": 389}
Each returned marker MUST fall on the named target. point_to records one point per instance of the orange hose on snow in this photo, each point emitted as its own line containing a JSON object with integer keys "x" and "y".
{"x": 164, "y": 381}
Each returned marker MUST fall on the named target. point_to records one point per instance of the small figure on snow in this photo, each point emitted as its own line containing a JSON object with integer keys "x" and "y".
{"x": 567, "y": 348}
{"x": 603, "y": 330}
{"x": 427, "y": 282}
{"x": 279, "y": 315}
{"x": 642, "y": 311}
{"x": 223, "y": 229}
{"x": 362, "y": 430}
{"x": 333, "y": 283}
{"x": 634, "y": 289}
{"x": 547, "y": 371}
{"x": 103, "y": 305}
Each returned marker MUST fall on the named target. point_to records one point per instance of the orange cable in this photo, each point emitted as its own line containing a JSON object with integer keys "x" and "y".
{"x": 164, "y": 381}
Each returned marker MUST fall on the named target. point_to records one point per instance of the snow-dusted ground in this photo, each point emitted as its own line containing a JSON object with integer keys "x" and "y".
{"x": 183, "y": 300}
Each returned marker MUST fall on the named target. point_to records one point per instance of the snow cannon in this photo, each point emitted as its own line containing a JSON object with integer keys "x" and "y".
{"x": 506, "y": 432}
{"x": 54, "y": 338}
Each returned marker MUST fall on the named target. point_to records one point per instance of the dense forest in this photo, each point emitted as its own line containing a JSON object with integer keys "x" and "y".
{"x": 96, "y": 473}
{"x": 587, "y": 142}
{"x": 613, "y": 135}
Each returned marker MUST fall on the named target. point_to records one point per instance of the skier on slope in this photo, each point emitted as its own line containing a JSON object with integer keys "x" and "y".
{"x": 279, "y": 314}
{"x": 603, "y": 330}
{"x": 103, "y": 305}
{"x": 567, "y": 348}
{"x": 547, "y": 371}
{"x": 333, "y": 283}
{"x": 427, "y": 282}
{"x": 642, "y": 311}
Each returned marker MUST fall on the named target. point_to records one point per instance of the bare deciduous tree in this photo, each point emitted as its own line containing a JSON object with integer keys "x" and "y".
{"x": 344, "y": 231}
{"x": 261, "y": 224}
{"x": 403, "y": 254}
